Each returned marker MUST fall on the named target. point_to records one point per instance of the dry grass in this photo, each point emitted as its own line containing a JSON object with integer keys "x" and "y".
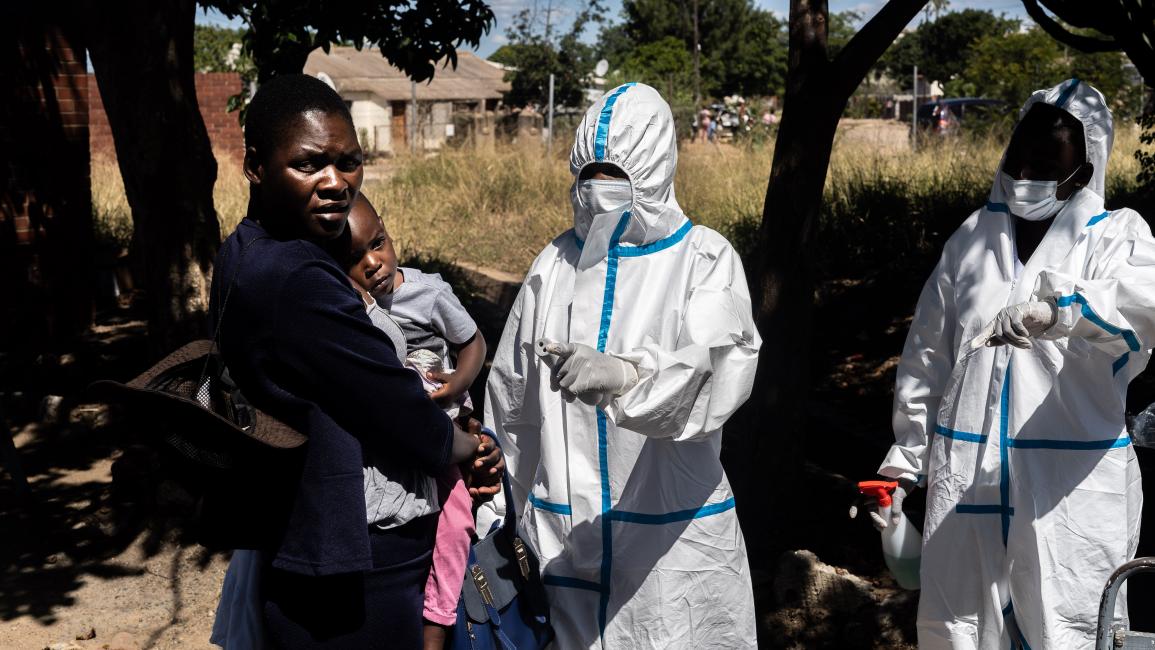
{"x": 499, "y": 208}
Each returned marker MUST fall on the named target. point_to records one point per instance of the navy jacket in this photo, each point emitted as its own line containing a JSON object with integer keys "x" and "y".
{"x": 299, "y": 345}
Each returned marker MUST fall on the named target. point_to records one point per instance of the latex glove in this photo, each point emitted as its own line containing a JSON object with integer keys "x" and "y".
{"x": 1018, "y": 324}
{"x": 896, "y": 499}
{"x": 584, "y": 370}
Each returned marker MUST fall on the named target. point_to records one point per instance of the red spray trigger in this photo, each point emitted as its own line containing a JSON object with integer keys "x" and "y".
{"x": 880, "y": 490}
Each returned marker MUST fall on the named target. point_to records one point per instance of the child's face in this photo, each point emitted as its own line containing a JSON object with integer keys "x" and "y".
{"x": 373, "y": 264}
{"x": 308, "y": 182}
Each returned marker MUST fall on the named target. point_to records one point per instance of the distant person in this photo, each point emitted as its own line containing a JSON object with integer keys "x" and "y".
{"x": 612, "y": 432}
{"x": 944, "y": 119}
{"x": 712, "y": 129}
{"x": 704, "y": 119}
{"x": 299, "y": 344}
{"x": 1010, "y": 398}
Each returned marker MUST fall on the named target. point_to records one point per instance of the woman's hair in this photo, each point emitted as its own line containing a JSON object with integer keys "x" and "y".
{"x": 280, "y": 101}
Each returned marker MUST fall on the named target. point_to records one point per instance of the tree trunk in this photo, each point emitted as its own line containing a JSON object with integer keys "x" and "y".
{"x": 817, "y": 90}
{"x": 142, "y": 52}
{"x": 46, "y": 239}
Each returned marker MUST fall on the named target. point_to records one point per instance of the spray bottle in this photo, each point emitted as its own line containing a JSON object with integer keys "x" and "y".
{"x": 901, "y": 542}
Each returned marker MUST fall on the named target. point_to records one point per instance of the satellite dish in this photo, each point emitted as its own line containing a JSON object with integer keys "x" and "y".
{"x": 602, "y": 68}
{"x": 327, "y": 79}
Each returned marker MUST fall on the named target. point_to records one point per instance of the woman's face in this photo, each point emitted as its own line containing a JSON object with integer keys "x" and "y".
{"x": 308, "y": 181}
{"x": 1038, "y": 152}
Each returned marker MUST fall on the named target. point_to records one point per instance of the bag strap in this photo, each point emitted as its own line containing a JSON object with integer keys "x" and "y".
{"x": 510, "y": 507}
{"x": 224, "y": 303}
{"x": 495, "y": 628}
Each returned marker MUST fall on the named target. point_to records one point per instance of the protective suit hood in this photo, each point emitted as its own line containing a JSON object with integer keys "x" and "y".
{"x": 632, "y": 127}
{"x": 1088, "y": 106}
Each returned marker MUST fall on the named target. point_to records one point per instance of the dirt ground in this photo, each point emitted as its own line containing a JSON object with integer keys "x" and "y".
{"x": 71, "y": 572}
{"x": 89, "y": 562}
{"x": 882, "y": 135}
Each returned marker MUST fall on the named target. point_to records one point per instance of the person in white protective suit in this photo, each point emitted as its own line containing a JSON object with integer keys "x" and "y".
{"x": 1011, "y": 392}
{"x": 612, "y": 437}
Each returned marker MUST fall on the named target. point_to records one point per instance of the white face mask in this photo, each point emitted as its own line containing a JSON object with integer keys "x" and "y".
{"x": 597, "y": 197}
{"x": 1033, "y": 200}
{"x": 599, "y": 209}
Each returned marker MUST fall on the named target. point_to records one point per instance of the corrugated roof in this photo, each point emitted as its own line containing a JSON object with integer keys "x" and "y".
{"x": 367, "y": 71}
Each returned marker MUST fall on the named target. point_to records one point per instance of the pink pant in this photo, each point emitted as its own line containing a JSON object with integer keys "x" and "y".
{"x": 450, "y": 550}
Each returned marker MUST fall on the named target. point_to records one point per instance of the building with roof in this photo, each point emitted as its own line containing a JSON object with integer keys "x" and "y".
{"x": 391, "y": 113}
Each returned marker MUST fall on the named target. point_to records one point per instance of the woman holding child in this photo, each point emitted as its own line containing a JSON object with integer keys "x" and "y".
{"x": 298, "y": 342}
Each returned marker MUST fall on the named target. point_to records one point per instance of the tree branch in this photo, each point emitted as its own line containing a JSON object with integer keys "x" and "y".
{"x": 869, "y": 44}
{"x": 1085, "y": 15}
{"x": 1061, "y": 34}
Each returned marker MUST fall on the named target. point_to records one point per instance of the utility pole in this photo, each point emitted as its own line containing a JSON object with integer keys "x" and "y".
{"x": 413, "y": 122}
{"x": 548, "y": 19}
{"x": 914, "y": 112}
{"x": 697, "y": 55}
{"x": 549, "y": 124}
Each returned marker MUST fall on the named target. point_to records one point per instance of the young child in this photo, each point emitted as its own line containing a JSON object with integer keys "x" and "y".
{"x": 422, "y": 311}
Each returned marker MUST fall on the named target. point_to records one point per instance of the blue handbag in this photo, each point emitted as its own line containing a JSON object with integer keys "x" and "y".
{"x": 503, "y": 604}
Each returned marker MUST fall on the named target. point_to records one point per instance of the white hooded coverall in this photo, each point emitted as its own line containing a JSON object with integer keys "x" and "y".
{"x": 1033, "y": 489}
{"x": 626, "y": 503}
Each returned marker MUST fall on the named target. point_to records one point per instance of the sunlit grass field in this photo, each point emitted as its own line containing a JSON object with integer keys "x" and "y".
{"x": 499, "y": 208}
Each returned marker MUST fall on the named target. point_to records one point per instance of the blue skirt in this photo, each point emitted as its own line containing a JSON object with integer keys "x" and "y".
{"x": 380, "y": 608}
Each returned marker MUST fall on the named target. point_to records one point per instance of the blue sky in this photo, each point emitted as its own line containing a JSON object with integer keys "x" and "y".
{"x": 562, "y": 9}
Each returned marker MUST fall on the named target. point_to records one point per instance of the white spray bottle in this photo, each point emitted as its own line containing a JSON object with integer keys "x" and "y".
{"x": 901, "y": 542}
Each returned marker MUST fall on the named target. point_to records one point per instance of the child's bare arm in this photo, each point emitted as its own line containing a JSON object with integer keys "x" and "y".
{"x": 470, "y": 359}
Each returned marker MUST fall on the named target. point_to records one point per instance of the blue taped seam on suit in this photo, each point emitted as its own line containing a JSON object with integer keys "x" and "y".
{"x": 607, "y": 532}
{"x": 1120, "y": 363}
{"x": 671, "y": 517}
{"x": 611, "y": 281}
{"x": 1089, "y": 314}
{"x": 572, "y": 583}
{"x": 1004, "y": 457}
{"x": 1065, "y": 96}
{"x": 627, "y": 516}
{"x": 654, "y": 247}
{"x": 965, "y": 436}
{"x": 982, "y": 509}
{"x": 1037, "y": 443}
{"x": 1074, "y": 445}
{"x": 1096, "y": 219}
{"x": 603, "y": 132}
{"x": 603, "y": 443}
{"x": 549, "y": 506}
{"x": 998, "y": 207}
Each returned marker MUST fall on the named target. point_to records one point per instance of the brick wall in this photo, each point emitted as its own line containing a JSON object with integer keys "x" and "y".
{"x": 213, "y": 92}
{"x": 45, "y": 195}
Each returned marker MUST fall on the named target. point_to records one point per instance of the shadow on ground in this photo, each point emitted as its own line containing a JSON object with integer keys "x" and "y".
{"x": 94, "y": 488}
